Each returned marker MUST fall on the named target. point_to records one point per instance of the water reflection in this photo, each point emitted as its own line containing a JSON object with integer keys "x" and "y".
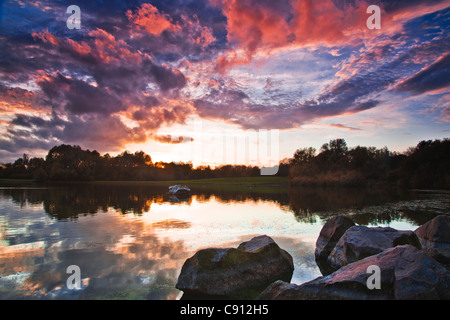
{"x": 118, "y": 258}
{"x": 130, "y": 241}
{"x": 368, "y": 205}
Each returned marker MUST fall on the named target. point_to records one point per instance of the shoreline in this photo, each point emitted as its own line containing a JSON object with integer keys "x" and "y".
{"x": 249, "y": 182}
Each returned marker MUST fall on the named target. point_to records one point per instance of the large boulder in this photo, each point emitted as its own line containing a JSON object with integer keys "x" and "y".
{"x": 359, "y": 242}
{"x": 241, "y": 272}
{"x": 406, "y": 273}
{"x": 434, "y": 237}
{"x": 329, "y": 236}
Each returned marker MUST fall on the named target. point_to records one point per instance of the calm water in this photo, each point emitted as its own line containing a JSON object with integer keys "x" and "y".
{"x": 130, "y": 242}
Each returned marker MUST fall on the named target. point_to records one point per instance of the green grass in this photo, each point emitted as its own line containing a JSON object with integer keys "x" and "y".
{"x": 263, "y": 184}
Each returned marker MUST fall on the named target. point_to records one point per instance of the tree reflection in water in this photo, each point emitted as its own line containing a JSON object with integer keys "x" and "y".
{"x": 69, "y": 202}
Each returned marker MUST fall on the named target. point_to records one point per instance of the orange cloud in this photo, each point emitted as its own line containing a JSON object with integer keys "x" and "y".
{"x": 103, "y": 46}
{"x": 80, "y": 48}
{"x": 150, "y": 19}
{"x": 108, "y": 49}
{"x": 46, "y": 36}
{"x": 14, "y": 100}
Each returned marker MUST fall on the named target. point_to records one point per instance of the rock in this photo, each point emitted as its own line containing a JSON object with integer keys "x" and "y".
{"x": 434, "y": 237}
{"x": 407, "y": 273}
{"x": 359, "y": 242}
{"x": 241, "y": 272}
{"x": 330, "y": 234}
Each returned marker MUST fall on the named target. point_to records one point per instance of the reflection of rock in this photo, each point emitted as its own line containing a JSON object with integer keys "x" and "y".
{"x": 239, "y": 273}
{"x": 179, "y": 198}
{"x": 406, "y": 273}
{"x": 435, "y": 238}
{"x": 359, "y": 242}
{"x": 330, "y": 234}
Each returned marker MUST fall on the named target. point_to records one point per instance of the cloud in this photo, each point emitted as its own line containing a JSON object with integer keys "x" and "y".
{"x": 170, "y": 37}
{"x": 95, "y": 131}
{"x": 235, "y": 106}
{"x": 392, "y": 6}
{"x": 26, "y": 132}
{"x": 14, "y": 100}
{"x": 78, "y": 97}
{"x": 167, "y": 78}
{"x": 150, "y": 19}
{"x": 134, "y": 66}
{"x": 362, "y": 80}
{"x": 265, "y": 25}
{"x": 440, "y": 109}
{"x": 434, "y": 77}
{"x": 341, "y": 126}
{"x": 445, "y": 114}
{"x": 114, "y": 81}
{"x": 170, "y": 139}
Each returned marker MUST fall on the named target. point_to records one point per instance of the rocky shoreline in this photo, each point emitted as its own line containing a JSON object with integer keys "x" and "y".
{"x": 408, "y": 265}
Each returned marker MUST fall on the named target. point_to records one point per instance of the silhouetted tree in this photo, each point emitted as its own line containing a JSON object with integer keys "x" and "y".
{"x": 304, "y": 155}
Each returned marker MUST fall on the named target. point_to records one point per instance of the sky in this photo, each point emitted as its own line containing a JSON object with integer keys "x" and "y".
{"x": 221, "y": 81}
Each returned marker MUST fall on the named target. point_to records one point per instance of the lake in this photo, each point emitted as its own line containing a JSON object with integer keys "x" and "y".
{"x": 131, "y": 240}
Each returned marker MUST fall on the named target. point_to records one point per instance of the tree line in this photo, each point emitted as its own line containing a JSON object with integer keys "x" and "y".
{"x": 72, "y": 163}
{"x": 426, "y": 165}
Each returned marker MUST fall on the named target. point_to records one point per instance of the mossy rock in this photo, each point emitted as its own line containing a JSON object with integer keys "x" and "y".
{"x": 241, "y": 272}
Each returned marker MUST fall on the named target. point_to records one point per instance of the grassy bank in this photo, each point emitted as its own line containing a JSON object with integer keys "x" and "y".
{"x": 263, "y": 184}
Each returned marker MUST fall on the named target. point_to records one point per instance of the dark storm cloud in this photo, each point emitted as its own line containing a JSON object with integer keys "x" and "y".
{"x": 22, "y": 143}
{"x": 436, "y": 76}
{"x": 38, "y": 122}
{"x": 97, "y": 131}
{"x": 77, "y": 97}
{"x": 31, "y": 132}
{"x": 166, "y": 78}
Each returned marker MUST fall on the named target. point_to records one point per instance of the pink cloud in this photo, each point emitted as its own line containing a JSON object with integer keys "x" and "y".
{"x": 341, "y": 126}
{"x": 321, "y": 22}
{"x": 150, "y": 19}
{"x": 261, "y": 25}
